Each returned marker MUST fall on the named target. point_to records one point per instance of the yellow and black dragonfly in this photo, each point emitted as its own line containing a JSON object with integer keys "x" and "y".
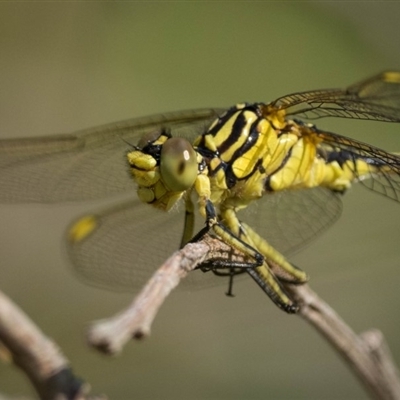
{"x": 256, "y": 162}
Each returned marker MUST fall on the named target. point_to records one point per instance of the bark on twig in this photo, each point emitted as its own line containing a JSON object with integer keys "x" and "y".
{"x": 367, "y": 354}
{"x": 39, "y": 357}
{"x": 110, "y": 335}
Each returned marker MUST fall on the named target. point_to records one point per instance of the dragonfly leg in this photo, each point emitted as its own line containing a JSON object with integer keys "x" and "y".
{"x": 259, "y": 270}
{"x": 189, "y": 220}
{"x": 212, "y": 223}
{"x": 282, "y": 269}
{"x": 274, "y": 268}
{"x": 226, "y": 264}
{"x": 265, "y": 278}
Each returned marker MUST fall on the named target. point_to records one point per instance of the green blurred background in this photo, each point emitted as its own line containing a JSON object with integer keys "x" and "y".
{"x": 67, "y": 66}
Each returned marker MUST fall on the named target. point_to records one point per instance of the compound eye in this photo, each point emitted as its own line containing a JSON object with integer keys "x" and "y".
{"x": 178, "y": 164}
{"x": 148, "y": 138}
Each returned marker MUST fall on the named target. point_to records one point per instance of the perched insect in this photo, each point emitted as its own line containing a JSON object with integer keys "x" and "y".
{"x": 215, "y": 163}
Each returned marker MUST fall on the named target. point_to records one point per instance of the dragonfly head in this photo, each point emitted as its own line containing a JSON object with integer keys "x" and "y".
{"x": 164, "y": 167}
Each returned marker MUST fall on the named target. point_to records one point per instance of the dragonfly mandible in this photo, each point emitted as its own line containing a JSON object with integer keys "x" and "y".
{"x": 259, "y": 162}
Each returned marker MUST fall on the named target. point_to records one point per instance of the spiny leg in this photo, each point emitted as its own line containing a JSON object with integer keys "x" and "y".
{"x": 265, "y": 278}
{"x": 236, "y": 237}
{"x": 273, "y": 262}
{"x": 189, "y": 220}
{"x": 218, "y": 263}
{"x": 226, "y": 261}
{"x": 283, "y": 270}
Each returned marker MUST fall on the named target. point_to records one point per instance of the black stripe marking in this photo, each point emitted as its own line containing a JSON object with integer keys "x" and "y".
{"x": 251, "y": 140}
{"x": 222, "y": 120}
{"x": 236, "y": 132}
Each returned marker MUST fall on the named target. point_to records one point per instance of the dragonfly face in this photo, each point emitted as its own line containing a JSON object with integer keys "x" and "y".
{"x": 219, "y": 163}
{"x": 163, "y": 168}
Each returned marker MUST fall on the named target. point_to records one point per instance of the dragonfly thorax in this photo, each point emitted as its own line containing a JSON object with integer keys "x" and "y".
{"x": 240, "y": 152}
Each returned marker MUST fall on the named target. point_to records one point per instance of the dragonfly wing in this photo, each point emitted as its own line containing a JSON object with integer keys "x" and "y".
{"x": 377, "y": 98}
{"x": 127, "y": 244}
{"x": 289, "y": 220}
{"x": 84, "y": 165}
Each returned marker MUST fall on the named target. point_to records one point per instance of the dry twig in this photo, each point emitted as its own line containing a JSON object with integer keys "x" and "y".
{"x": 366, "y": 354}
{"x": 39, "y": 357}
{"x": 41, "y": 360}
{"x": 111, "y": 335}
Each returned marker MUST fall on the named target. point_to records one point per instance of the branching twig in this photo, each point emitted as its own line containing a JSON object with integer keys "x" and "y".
{"x": 366, "y": 354}
{"x": 39, "y": 357}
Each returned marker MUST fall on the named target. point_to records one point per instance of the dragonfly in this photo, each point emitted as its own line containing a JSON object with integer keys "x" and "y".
{"x": 255, "y": 175}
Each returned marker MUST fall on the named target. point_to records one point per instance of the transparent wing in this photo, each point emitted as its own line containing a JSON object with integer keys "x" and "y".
{"x": 84, "y": 165}
{"x": 377, "y": 98}
{"x": 289, "y": 220}
{"x": 132, "y": 240}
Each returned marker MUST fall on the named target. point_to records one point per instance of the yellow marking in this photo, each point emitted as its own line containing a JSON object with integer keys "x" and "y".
{"x": 341, "y": 178}
{"x": 223, "y": 134}
{"x": 203, "y": 189}
{"x": 218, "y": 178}
{"x": 225, "y": 130}
{"x": 141, "y": 160}
{"x": 214, "y": 163}
{"x": 160, "y": 190}
{"x": 299, "y": 163}
{"x": 245, "y": 191}
{"x": 267, "y": 140}
{"x": 240, "y": 166}
{"x": 296, "y": 172}
{"x": 278, "y": 152}
{"x": 161, "y": 140}
{"x": 275, "y": 116}
{"x": 219, "y": 195}
{"x": 240, "y": 106}
{"x": 391, "y": 77}
{"x": 82, "y": 228}
{"x": 211, "y": 127}
{"x": 145, "y": 178}
{"x": 210, "y": 143}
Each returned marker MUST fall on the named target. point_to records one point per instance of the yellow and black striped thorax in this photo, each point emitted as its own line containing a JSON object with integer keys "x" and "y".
{"x": 242, "y": 144}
